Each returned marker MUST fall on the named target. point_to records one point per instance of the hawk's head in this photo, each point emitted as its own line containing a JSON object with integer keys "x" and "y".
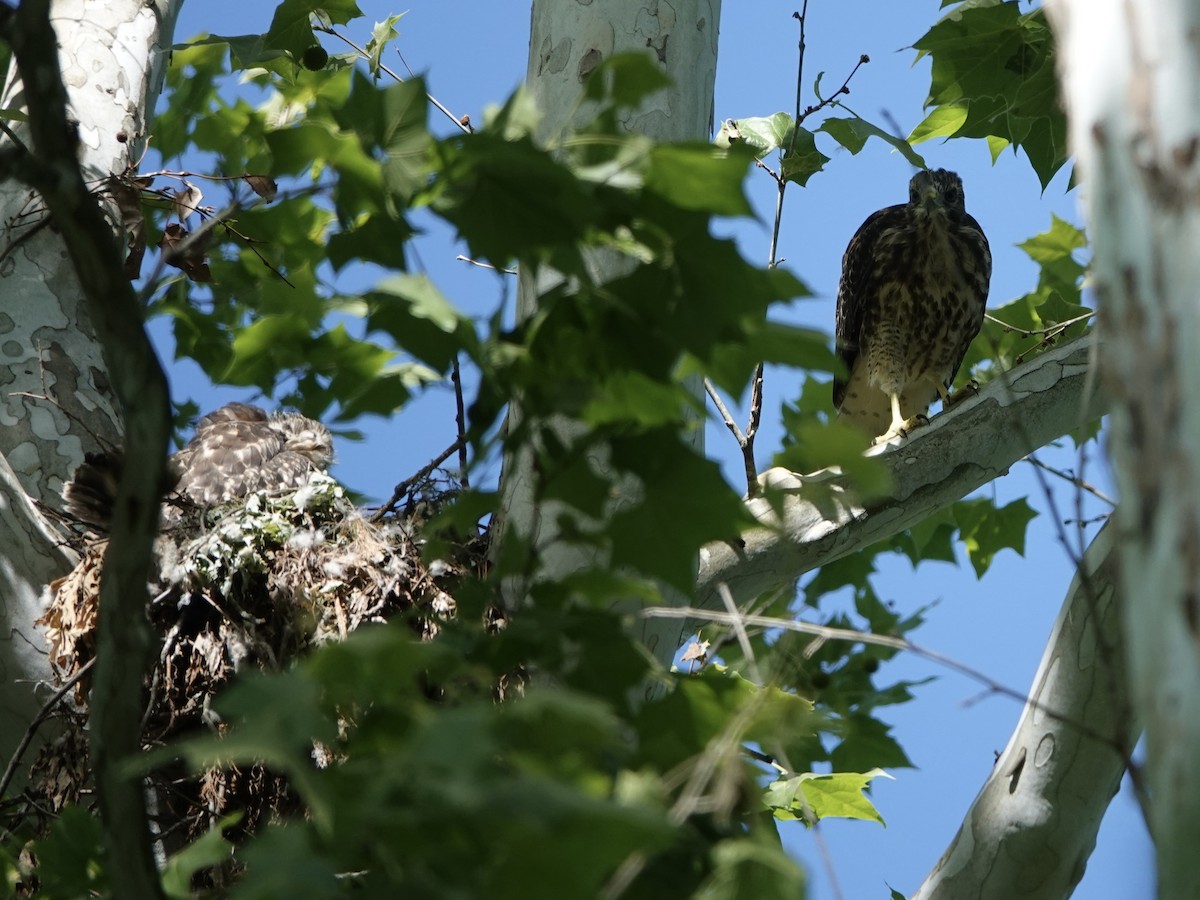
{"x": 307, "y": 437}
{"x": 939, "y": 190}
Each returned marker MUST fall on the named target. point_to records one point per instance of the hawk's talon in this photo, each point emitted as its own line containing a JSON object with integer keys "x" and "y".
{"x": 968, "y": 390}
{"x": 902, "y": 429}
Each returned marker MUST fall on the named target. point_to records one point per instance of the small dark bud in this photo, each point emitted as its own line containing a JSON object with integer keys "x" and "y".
{"x": 122, "y": 137}
{"x": 315, "y": 58}
{"x": 870, "y": 665}
{"x": 864, "y": 58}
{"x": 844, "y": 90}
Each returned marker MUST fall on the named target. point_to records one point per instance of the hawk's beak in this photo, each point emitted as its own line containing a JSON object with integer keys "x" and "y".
{"x": 930, "y": 200}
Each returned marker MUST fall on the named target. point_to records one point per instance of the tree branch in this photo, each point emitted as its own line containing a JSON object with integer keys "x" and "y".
{"x": 819, "y": 518}
{"x": 140, "y": 386}
{"x": 1034, "y": 823}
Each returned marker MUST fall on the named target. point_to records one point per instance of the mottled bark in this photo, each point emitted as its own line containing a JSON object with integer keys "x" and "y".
{"x": 1033, "y": 826}
{"x": 820, "y": 520}
{"x": 1131, "y": 78}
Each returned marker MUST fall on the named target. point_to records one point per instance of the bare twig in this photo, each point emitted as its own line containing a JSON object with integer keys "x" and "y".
{"x": 402, "y": 489}
{"x": 483, "y": 265}
{"x": 828, "y": 633}
{"x": 10, "y": 770}
{"x": 460, "y": 420}
{"x": 1076, "y": 480}
{"x": 726, "y": 415}
{"x": 745, "y": 440}
{"x": 382, "y": 68}
{"x": 831, "y": 100}
{"x": 1050, "y": 330}
{"x": 739, "y": 629}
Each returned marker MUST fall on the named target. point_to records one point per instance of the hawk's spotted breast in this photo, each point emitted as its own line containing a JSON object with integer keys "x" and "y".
{"x": 912, "y": 296}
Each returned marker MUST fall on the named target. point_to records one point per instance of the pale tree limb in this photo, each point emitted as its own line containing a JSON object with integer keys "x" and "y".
{"x": 56, "y": 398}
{"x": 1030, "y": 831}
{"x": 1129, "y": 74}
{"x": 50, "y": 165}
{"x": 810, "y": 520}
{"x": 32, "y": 558}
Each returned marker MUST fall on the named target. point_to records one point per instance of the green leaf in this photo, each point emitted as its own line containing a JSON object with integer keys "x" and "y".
{"x": 852, "y": 134}
{"x": 546, "y": 206}
{"x": 70, "y": 856}
{"x": 699, "y": 177}
{"x": 867, "y": 742}
{"x": 1056, "y": 301}
{"x": 210, "y": 849}
{"x": 993, "y": 76}
{"x": 676, "y": 727}
{"x": 631, "y": 396}
{"x": 815, "y": 445}
{"x": 762, "y": 134}
{"x": 419, "y": 318}
{"x": 382, "y": 34}
{"x": 944, "y": 121}
{"x": 839, "y": 795}
{"x": 378, "y": 238}
{"x": 286, "y": 861}
{"x": 291, "y": 28}
{"x": 987, "y": 530}
{"x": 265, "y": 348}
{"x": 680, "y": 491}
{"x": 803, "y": 159}
{"x": 391, "y": 123}
{"x": 752, "y": 868}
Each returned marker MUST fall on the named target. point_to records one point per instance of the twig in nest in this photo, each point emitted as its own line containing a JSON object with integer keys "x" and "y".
{"x": 11, "y": 770}
{"x": 402, "y": 489}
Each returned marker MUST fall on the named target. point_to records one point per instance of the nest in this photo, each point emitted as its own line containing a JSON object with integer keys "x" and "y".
{"x": 250, "y": 585}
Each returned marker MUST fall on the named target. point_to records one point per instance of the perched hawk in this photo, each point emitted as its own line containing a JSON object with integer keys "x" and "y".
{"x": 913, "y": 290}
{"x": 237, "y": 450}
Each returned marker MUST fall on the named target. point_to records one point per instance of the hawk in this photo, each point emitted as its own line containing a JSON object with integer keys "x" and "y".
{"x": 237, "y": 450}
{"x": 911, "y": 299}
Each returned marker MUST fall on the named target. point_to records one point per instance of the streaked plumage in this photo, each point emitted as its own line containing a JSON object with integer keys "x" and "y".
{"x": 912, "y": 296}
{"x": 237, "y": 450}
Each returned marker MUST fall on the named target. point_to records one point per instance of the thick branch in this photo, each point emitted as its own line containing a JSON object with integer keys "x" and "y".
{"x": 1129, "y": 73}
{"x": 821, "y": 520}
{"x": 140, "y": 386}
{"x": 1031, "y": 829}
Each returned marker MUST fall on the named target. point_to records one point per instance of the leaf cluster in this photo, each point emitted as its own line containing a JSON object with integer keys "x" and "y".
{"x": 994, "y": 78}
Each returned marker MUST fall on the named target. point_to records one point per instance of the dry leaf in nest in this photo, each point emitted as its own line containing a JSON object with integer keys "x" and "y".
{"x": 70, "y": 619}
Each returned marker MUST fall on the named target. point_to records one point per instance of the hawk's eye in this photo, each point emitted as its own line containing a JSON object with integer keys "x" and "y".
{"x": 953, "y": 194}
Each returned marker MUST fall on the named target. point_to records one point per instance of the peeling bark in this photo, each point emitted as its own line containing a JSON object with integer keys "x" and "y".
{"x": 1131, "y": 78}
{"x": 50, "y": 164}
{"x": 1033, "y": 826}
{"x": 56, "y": 401}
{"x": 55, "y": 398}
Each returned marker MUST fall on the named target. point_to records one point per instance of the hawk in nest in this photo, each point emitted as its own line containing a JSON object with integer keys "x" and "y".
{"x": 237, "y": 450}
{"x": 912, "y": 296}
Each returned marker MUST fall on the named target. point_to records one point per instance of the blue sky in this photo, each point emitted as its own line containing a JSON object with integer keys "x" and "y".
{"x": 474, "y": 54}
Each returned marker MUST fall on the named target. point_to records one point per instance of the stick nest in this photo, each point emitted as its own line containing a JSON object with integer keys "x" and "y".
{"x": 252, "y": 584}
